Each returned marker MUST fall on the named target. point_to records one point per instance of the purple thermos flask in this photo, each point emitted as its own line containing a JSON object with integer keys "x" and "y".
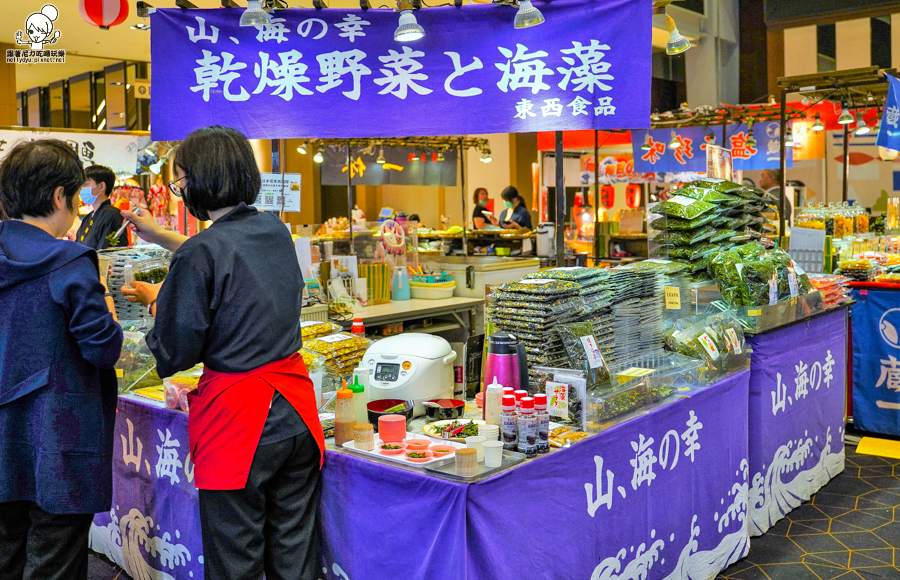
{"x": 503, "y": 361}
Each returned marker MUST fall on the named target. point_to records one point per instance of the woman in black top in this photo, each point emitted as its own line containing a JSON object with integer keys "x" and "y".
{"x": 481, "y": 217}
{"x": 516, "y": 215}
{"x": 231, "y": 300}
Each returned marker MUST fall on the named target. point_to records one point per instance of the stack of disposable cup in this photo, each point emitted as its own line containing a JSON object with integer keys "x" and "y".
{"x": 489, "y": 432}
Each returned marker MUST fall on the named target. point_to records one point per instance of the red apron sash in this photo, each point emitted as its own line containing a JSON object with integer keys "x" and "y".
{"x": 228, "y": 412}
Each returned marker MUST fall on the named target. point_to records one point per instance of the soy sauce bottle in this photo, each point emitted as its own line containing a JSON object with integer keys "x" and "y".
{"x": 509, "y": 423}
{"x": 543, "y": 423}
{"x": 527, "y": 427}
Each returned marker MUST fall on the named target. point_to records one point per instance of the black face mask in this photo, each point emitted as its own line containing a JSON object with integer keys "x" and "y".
{"x": 200, "y": 214}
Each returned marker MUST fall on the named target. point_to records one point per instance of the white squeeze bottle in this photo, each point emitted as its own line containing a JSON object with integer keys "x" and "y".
{"x": 493, "y": 403}
{"x": 360, "y": 401}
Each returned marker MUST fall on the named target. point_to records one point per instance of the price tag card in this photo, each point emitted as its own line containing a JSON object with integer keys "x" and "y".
{"x": 673, "y": 298}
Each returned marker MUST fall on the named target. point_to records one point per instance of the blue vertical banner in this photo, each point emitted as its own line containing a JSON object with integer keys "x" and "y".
{"x": 765, "y": 154}
{"x": 340, "y": 74}
{"x": 876, "y": 360}
{"x": 889, "y": 135}
{"x": 661, "y": 158}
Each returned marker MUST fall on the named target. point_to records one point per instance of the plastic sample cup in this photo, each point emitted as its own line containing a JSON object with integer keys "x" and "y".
{"x": 493, "y": 453}
{"x": 476, "y": 443}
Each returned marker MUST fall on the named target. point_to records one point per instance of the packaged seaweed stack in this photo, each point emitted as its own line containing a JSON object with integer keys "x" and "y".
{"x": 687, "y": 227}
{"x": 637, "y": 312}
{"x": 750, "y": 275}
{"x": 716, "y": 339}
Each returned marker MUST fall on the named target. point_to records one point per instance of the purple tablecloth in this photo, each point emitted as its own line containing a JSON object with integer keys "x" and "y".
{"x": 797, "y": 395}
{"x": 661, "y": 496}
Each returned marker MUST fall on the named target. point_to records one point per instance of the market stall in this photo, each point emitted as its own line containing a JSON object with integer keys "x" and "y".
{"x": 607, "y": 486}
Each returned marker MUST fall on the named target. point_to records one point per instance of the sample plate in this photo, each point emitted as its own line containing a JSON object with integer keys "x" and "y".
{"x": 433, "y": 429}
{"x": 401, "y": 459}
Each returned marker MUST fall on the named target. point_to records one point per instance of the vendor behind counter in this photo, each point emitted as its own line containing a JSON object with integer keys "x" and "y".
{"x": 516, "y": 214}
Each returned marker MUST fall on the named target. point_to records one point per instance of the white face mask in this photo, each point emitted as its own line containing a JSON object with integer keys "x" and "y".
{"x": 87, "y": 195}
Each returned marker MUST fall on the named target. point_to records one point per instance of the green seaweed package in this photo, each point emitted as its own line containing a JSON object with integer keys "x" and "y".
{"x": 684, "y": 237}
{"x": 759, "y": 282}
{"x": 702, "y": 340}
{"x": 584, "y": 353}
{"x": 707, "y": 195}
{"x": 751, "y": 251}
{"x": 683, "y": 207}
{"x": 723, "y": 269}
{"x": 717, "y": 184}
{"x": 673, "y": 223}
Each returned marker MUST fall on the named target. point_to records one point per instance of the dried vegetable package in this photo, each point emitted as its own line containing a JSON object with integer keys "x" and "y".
{"x": 683, "y": 207}
{"x": 315, "y": 328}
{"x": 566, "y": 391}
{"x": 684, "y": 237}
{"x": 584, "y": 353}
{"x": 673, "y": 223}
{"x": 707, "y": 195}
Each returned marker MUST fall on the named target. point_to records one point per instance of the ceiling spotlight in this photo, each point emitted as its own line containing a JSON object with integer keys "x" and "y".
{"x": 771, "y": 99}
{"x": 804, "y": 100}
{"x": 788, "y": 137}
{"x": 677, "y": 43}
{"x": 861, "y": 126}
{"x": 711, "y": 138}
{"x": 414, "y": 157}
{"x": 869, "y": 96}
{"x": 818, "y": 126}
{"x": 674, "y": 143}
{"x": 646, "y": 146}
{"x": 846, "y": 118}
{"x": 380, "y": 160}
{"x": 254, "y": 15}
{"x": 319, "y": 157}
{"x": 302, "y": 148}
{"x": 528, "y": 15}
{"x": 440, "y": 155}
{"x": 409, "y": 28}
{"x": 486, "y": 155}
{"x": 751, "y": 140}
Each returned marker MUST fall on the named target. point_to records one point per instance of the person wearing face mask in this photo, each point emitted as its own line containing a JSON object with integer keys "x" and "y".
{"x": 105, "y": 219}
{"x": 481, "y": 217}
{"x": 231, "y": 300}
{"x": 516, "y": 215}
{"x": 59, "y": 344}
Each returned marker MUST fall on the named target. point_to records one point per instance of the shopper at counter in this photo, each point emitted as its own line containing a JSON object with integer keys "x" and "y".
{"x": 516, "y": 215}
{"x": 231, "y": 300}
{"x": 481, "y": 217}
{"x": 105, "y": 219}
{"x": 58, "y": 346}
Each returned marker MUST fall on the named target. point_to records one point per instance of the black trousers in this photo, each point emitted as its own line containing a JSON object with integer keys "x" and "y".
{"x": 271, "y": 525}
{"x": 36, "y": 545}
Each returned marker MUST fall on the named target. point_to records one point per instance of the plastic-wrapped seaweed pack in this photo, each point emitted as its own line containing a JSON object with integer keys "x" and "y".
{"x": 637, "y": 313}
{"x": 750, "y": 275}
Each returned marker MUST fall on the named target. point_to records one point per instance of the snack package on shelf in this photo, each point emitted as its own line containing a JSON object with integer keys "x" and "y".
{"x": 179, "y": 385}
{"x": 717, "y": 339}
{"x": 566, "y": 391}
{"x": 342, "y": 351}
{"x": 832, "y": 287}
{"x": 310, "y": 329}
{"x": 858, "y": 270}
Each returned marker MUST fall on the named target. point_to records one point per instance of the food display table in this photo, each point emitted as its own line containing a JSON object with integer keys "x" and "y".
{"x": 403, "y": 310}
{"x": 662, "y": 496}
{"x": 797, "y": 395}
{"x": 875, "y": 378}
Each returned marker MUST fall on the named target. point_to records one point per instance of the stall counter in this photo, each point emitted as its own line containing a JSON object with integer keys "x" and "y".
{"x": 403, "y": 310}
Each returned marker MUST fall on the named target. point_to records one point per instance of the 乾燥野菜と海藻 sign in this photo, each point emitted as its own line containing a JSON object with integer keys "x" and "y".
{"x": 340, "y": 73}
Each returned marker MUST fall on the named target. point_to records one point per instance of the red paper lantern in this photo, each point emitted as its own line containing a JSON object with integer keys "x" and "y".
{"x": 607, "y": 196}
{"x": 633, "y": 195}
{"x": 103, "y": 13}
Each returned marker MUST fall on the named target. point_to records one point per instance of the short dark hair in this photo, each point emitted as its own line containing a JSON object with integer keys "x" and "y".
{"x": 101, "y": 174}
{"x": 511, "y": 193}
{"x": 775, "y": 174}
{"x": 30, "y": 174}
{"x": 475, "y": 195}
{"x": 219, "y": 167}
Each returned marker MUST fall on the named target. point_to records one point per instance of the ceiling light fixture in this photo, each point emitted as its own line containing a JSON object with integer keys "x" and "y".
{"x": 710, "y": 138}
{"x": 528, "y": 15}
{"x": 646, "y": 146}
{"x": 846, "y": 118}
{"x": 380, "y": 160}
{"x": 861, "y": 126}
{"x": 677, "y": 43}
{"x": 440, "y": 155}
{"x": 788, "y": 137}
{"x": 751, "y": 140}
{"x": 319, "y": 157}
{"x": 818, "y": 126}
{"x": 302, "y": 148}
{"x": 408, "y": 29}
{"x": 486, "y": 155}
{"x": 674, "y": 143}
{"x": 254, "y": 15}
{"x": 869, "y": 96}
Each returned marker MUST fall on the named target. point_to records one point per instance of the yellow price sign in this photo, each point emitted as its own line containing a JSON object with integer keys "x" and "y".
{"x": 673, "y": 298}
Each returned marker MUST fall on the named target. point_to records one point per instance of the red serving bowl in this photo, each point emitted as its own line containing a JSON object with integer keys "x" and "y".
{"x": 449, "y": 409}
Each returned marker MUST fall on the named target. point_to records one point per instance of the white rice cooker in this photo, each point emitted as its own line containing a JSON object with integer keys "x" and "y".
{"x": 415, "y": 367}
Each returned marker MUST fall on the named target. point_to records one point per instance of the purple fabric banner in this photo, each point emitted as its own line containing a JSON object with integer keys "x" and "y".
{"x": 661, "y": 496}
{"x": 797, "y": 392}
{"x": 153, "y": 530}
{"x": 340, "y": 73}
